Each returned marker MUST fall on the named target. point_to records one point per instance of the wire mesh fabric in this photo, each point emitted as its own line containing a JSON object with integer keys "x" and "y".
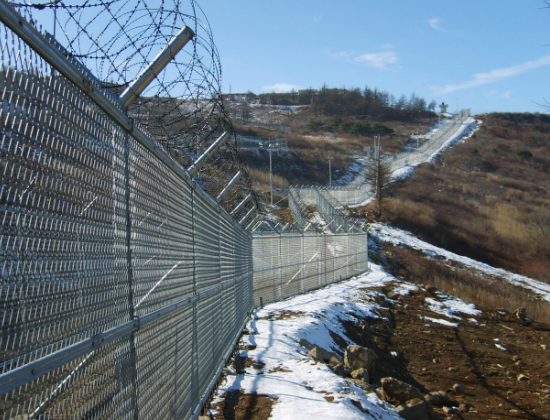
{"x": 99, "y": 237}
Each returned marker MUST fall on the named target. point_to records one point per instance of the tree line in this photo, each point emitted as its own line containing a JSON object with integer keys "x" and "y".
{"x": 361, "y": 104}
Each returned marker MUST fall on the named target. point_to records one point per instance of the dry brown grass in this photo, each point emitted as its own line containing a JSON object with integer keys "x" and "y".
{"x": 484, "y": 204}
{"x": 492, "y": 293}
{"x": 260, "y": 179}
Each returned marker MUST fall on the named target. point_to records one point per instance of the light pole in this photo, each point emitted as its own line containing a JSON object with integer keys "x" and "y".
{"x": 329, "y": 172}
{"x": 270, "y": 173}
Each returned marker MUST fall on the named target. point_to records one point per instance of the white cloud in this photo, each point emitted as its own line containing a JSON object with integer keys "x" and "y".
{"x": 492, "y": 76}
{"x": 507, "y": 94}
{"x": 281, "y": 87}
{"x": 344, "y": 54}
{"x": 434, "y": 23}
{"x": 377, "y": 60}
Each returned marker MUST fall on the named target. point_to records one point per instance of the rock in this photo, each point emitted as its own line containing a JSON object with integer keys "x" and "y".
{"x": 304, "y": 343}
{"x": 357, "y": 357}
{"x": 452, "y": 410}
{"x": 436, "y": 360}
{"x": 397, "y": 392}
{"x": 520, "y": 313}
{"x": 465, "y": 407}
{"x": 437, "y": 398}
{"x": 544, "y": 346}
{"x": 453, "y": 369}
{"x": 431, "y": 289}
{"x": 340, "y": 370}
{"x": 522, "y": 378}
{"x": 515, "y": 358}
{"x": 415, "y": 409}
{"x": 458, "y": 389}
{"x": 361, "y": 374}
{"x": 519, "y": 363}
{"x": 321, "y": 355}
{"x": 407, "y": 306}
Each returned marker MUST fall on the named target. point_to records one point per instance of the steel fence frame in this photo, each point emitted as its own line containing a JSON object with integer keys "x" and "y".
{"x": 124, "y": 285}
{"x": 289, "y": 264}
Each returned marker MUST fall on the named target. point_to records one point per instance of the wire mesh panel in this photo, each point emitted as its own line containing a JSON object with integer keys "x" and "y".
{"x": 304, "y": 262}
{"x": 123, "y": 286}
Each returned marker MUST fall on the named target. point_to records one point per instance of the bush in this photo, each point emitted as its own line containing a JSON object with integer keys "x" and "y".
{"x": 525, "y": 154}
{"x": 314, "y": 125}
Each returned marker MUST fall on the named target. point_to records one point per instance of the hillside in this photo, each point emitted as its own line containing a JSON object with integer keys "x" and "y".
{"x": 487, "y": 198}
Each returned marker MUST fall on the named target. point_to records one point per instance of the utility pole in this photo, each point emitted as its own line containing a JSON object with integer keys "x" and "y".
{"x": 378, "y": 177}
{"x": 329, "y": 172}
{"x": 270, "y": 174}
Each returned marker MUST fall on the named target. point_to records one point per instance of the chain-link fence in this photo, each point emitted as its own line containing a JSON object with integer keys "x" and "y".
{"x": 288, "y": 264}
{"x": 358, "y": 191}
{"x": 124, "y": 286}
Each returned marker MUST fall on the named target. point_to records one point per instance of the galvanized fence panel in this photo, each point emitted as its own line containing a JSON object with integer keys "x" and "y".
{"x": 123, "y": 286}
{"x": 288, "y": 264}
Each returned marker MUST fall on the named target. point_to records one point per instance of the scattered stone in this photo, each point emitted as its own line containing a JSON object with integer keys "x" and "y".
{"x": 321, "y": 355}
{"x": 519, "y": 363}
{"x": 304, "y": 343}
{"x": 452, "y": 410}
{"x": 509, "y": 393}
{"x": 465, "y": 407}
{"x": 246, "y": 331}
{"x": 515, "y": 358}
{"x": 397, "y": 392}
{"x": 357, "y": 357}
{"x": 437, "y": 398}
{"x": 249, "y": 347}
{"x": 436, "y": 360}
{"x": 415, "y": 409}
{"x": 544, "y": 346}
{"x": 453, "y": 369}
{"x": 340, "y": 370}
{"x": 458, "y": 389}
{"x": 520, "y": 313}
{"x": 522, "y": 377}
{"x": 361, "y": 374}
{"x": 393, "y": 296}
{"x": 329, "y": 399}
{"x": 407, "y": 306}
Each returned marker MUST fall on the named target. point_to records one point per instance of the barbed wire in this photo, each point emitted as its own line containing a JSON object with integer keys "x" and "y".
{"x": 182, "y": 107}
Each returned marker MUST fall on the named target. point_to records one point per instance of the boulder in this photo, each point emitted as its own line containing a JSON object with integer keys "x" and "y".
{"x": 361, "y": 374}
{"x": 321, "y": 355}
{"x": 437, "y": 398}
{"x": 415, "y": 409}
{"x": 397, "y": 392}
{"x": 357, "y": 357}
{"x": 340, "y": 369}
{"x": 304, "y": 343}
{"x": 458, "y": 389}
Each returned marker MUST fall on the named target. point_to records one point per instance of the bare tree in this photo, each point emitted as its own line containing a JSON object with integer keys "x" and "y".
{"x": 379, "y": 176}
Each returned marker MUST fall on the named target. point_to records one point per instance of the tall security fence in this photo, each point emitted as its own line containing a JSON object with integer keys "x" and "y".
{"x": 288, "y": 264}
{"x": 124, "y": 284}
{"x": 358, "y": 191}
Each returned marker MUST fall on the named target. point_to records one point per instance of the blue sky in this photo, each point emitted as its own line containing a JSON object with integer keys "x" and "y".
{"x": 487, "y": 55}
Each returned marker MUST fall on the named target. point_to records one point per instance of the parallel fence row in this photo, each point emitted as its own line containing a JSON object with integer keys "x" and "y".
{"x": 358, "y": 191}
{"x": 252, "y": 142}
{"x": 124, "y": 285}
{"x": 285, "y": 265}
